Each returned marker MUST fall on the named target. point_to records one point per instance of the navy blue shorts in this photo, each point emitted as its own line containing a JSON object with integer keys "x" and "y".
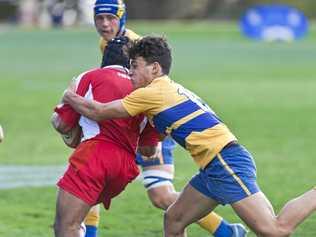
{"x": 229, "y": 177}
{"x": 164, "y": 157}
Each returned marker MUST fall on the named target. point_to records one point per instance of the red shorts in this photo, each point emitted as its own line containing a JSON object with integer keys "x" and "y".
{"x": 98, "y": 171}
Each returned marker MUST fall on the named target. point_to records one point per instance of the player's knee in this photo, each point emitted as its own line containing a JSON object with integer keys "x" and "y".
{"x": 173, "y": 223}
{"x": 161, "y": 201}
{"x": 169, "y": 219}
{"x": 57, "y": 225}
{"x": 284, "y": 228}
{"x": 62, "y": 225}
{"x": 173, "y": 216}
{"x": 278, "y": 229}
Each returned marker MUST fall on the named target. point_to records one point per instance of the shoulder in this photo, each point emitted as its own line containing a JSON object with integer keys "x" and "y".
{"x": 114, "y": 78}
{"x": 98, "y": 76}
{"x": 146, "y": 91}
{"x": 116, "y": 71}
{"x": 147, "y": 94}
{"x": 131, "y": 34}
{"x": 86, "y": 75}
{"x": 102, "y": 44}
{"x": 94, "y": 73}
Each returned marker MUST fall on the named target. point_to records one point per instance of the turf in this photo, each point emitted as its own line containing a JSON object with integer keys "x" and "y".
{"x": 265, "y": 92}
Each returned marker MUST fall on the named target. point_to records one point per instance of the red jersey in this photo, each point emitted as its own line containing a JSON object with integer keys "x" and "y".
{"x": 105, "y": 85}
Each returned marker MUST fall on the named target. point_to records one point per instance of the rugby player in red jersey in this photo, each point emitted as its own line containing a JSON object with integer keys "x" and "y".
{"x": 104, "y": 162}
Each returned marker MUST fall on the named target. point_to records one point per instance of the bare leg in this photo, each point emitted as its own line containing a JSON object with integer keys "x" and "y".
{"x": 190, "y": 207}
{"x": 162, "y": 197}
{"x": 70, "y": 213}
{"x": 297, "y": 210}
{"x": 257, "y": 212}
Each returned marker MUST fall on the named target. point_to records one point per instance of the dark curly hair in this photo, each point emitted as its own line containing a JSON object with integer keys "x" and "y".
{"x": 116, "y": 52}
{"x": 153, "y": 49}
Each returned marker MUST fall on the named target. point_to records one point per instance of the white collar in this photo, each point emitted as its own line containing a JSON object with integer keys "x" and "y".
{"x": 117, "y": 67}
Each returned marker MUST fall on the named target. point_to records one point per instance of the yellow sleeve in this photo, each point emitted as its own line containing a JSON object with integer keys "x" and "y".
{"x": 131, "y": 35}
{"x": 102, "y": 44}
{"x": 128, "y": 33}
{"x": 143, "y": 100}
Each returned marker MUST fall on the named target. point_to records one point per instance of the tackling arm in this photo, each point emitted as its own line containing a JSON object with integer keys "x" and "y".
{"x": 95, "y": 110}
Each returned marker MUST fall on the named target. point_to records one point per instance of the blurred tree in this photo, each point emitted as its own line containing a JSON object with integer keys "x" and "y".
{"x": 80, "y": 11}
{"x": 153, "y": 9}
{"x": 307, "y": 6}
{"x": 223, "y": 8}
{"x": 197, "y": 9}
{"x": 8, "y": 11}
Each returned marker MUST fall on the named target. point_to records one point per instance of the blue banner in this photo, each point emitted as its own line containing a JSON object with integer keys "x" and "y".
{"x": 274, "y": 22}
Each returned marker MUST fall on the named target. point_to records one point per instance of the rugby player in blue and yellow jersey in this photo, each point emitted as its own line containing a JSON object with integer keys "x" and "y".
{"x": 157, "y": 173}
{"x": 227, "y": 172}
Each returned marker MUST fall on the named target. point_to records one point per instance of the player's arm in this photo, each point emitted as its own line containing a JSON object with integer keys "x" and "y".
{"x": 95, "y": 110}
{"x": 142, "y": 100}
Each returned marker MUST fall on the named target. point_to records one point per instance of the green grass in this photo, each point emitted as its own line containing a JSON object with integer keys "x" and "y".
{"x": 265, "y": 92}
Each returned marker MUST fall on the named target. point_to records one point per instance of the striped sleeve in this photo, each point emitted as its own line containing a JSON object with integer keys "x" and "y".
{"x": 143, "y": 100}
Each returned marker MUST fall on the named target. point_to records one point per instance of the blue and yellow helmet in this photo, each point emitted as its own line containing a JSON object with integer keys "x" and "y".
{"x": 115, "y": 7}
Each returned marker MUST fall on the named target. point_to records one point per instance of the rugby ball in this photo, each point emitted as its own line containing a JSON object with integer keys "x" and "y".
{"x": 73, "y": 137}
{"x": 1, "y": 134}
{"x": 83, "y": 230}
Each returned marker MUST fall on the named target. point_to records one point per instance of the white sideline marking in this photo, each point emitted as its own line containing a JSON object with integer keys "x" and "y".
{"x": 29, "y": 176}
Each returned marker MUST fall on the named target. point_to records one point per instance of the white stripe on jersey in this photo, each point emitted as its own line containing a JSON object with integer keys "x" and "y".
{"x": 89, "y": 127}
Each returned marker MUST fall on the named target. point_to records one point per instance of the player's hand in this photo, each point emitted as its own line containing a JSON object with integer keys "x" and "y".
{"x": 1, "y": 134}
{"x": 72, "y": 85}
{"x": 150, "y": 153}
{"x": 65, "y": 98}
{"x": 71, "y": 89}
{"x": 147, "y": 151}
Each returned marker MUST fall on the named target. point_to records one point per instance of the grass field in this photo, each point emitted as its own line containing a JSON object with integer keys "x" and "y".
{"x": 265, "y": 92}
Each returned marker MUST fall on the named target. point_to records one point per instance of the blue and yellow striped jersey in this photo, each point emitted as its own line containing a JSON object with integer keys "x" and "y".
{"x": 128, "y": 33}
{"x": 178, "y": 112}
